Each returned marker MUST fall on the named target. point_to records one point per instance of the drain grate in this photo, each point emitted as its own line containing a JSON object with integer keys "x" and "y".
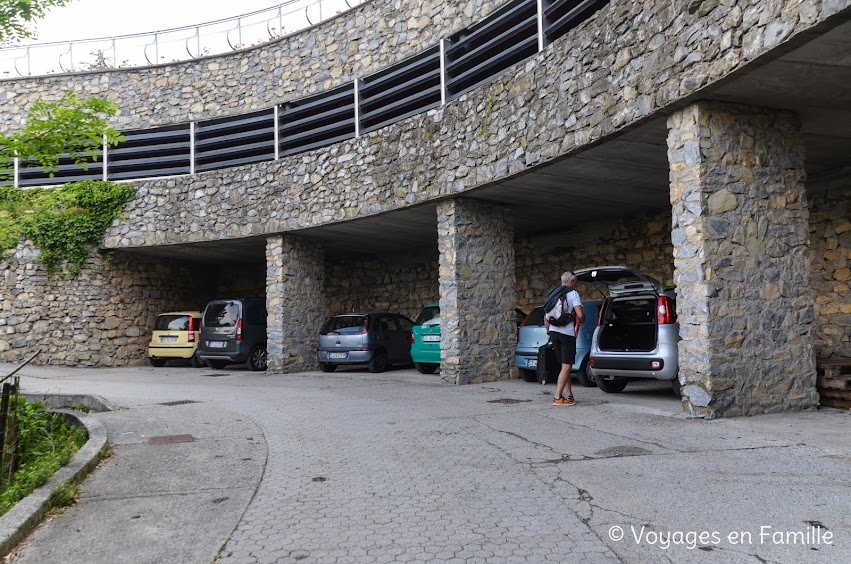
{"x": 181, "y": 402}
{"x": 171, "y": 439}
{"x": 508, "y": 401}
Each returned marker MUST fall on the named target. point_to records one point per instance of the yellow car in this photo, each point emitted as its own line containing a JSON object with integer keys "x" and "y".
{"x": 176, "y": 335}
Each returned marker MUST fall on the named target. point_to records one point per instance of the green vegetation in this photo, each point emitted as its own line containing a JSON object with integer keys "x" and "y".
{"x": 17, "y": 17}
{"x": 46, "y": 442}
{"x": 64, "y": 222}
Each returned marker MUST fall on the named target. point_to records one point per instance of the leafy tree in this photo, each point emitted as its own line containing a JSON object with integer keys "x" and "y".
{"x": 68, "y": 128}
{"x": 17, "y": 16}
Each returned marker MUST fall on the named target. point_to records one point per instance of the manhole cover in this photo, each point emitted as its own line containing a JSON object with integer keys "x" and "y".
{"x": 508, "y": 401}
{"x": 181, "y": 402}
{"x": 170, "y": 439}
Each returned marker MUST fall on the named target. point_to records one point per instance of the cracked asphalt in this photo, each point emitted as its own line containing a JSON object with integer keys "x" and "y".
{"x": 361, "y": 467}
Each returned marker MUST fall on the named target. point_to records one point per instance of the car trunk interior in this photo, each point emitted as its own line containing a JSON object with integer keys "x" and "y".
{"x": 629, "y": 324}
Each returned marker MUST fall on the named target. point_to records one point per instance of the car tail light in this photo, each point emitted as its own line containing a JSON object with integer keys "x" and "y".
{"x": 412, "y": 339}
{"x": 191, "y": 337}
{"x": 365, "y": 327}
{"x": 239, "y": 330}
{"x": 602, "y": 309}
{"x": 591, "y": 363}
{"x": 664, "y": 311}
{"x": 522, "y": 323}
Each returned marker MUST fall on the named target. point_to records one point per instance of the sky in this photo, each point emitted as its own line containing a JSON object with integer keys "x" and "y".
{"x": 84, "y": 19}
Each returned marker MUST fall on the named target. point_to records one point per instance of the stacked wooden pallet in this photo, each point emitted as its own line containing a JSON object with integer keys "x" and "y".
{"x": 834, "y": 382}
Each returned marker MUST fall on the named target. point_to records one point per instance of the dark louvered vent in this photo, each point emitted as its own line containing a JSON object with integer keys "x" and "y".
{"x": 403, "y": 90}
{"x": 560, "y": 16}
{"x": 483, "y": 51}
{"x": 235, "y": 141}
{"x": 317, "y": 121}
{"x": 32, "y": 174}
{"x": 163, "y": 151}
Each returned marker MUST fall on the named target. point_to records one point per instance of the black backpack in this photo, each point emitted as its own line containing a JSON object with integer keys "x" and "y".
{"x": 567, "y": 316}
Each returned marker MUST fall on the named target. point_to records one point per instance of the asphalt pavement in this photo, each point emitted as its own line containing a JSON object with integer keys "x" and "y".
{"x": 234, "y": 466}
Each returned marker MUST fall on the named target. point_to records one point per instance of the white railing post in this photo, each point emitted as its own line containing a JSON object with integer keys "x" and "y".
{"x": 191, "y": 147}
{"x": 277, "y": 142}
{"x": 540, "y": 25}
{"x": 103, "y": 160}
{"x": 16, "y": 180}
{"x": 357, "y": 107}
{"x": 443, "y": 72}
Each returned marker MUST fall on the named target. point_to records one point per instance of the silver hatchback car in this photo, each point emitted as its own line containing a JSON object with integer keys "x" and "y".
{"x": 637, "y": 334}
{"x": 377, "y": 339}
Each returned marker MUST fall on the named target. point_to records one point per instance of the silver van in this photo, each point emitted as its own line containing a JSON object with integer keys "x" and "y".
{"x": 377, "y": 339}
{"x": 637, "y": 333}
{"x": 233, "y": 331}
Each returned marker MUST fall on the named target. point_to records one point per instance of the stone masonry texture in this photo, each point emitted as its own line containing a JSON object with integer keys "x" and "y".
{"x": 741, "y": 260}
{"x": 477, "y": 291}
{"x": 295, "y": 273}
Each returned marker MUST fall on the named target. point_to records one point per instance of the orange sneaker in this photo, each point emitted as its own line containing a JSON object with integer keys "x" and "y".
{"x": 564, "y": 401}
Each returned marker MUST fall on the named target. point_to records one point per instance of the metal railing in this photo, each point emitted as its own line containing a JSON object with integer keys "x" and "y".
{"x": 419, "y": 83}
{"x": 169, "y": 45}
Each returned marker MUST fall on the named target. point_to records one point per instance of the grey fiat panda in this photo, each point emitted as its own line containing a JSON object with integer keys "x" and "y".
{"x": 638, "y": 333}
{"x": 233, "y": 331}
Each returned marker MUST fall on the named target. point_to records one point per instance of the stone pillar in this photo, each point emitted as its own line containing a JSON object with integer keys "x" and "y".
{"x": 741, "y": 260}
{"x": 295, "y": 276}
{"x": 477, "y": 291}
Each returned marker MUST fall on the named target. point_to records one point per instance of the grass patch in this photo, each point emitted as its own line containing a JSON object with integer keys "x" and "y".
{"x": 47, "y": 441}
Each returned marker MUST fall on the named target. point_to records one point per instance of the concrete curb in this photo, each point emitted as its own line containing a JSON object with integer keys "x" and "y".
{"x": 29, "y": 512}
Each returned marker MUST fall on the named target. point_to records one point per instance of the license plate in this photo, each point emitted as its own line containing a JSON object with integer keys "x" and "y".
{"x": 338, "y": 355}
{"x": 431, "y": 338}
{"x": 216, "y": 344}
{"x": 532, "y": 363}
{"x": 168, "y": 339}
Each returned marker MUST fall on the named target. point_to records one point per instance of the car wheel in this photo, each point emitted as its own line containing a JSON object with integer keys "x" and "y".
{"x": 378, "y": 363}
{"x": 257, "y": 358}
{"x": 615, "y": 386}
{"x": 326, "y": 367}
{"x": 583, "y": 378}
{"x": 426, "y": 367}
{"x": 217, "y": 364}
{"x": 677, "y": 387}
{"x": 528, "y": 375}
{"x": 157, "y": 362}
{"x": 196, "y": 362}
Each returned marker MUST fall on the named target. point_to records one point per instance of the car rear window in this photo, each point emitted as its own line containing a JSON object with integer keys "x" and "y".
{"x": 172, "y": 323}
{"x": 431, "y": 313}
{"x": 222, "y": 314}
{"x": 535, "y": 318}
{"x": 345, "y": 324}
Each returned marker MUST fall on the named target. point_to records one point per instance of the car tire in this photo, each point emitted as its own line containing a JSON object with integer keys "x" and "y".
{"x": 677, "y": 388}
{"x": 426, "y": 367}
{"x": 528, "y": 375}
{"x": 327, "y": 367}
{"x": 217, "y": 364}
{"x": 157, "y": 362}
{"x": 615, "y": 386}
{"x": 257, "y": 359}
{"x": 583, "y": 377}
{"x": 378, "y": 362}
{"x": 196, "y": 362}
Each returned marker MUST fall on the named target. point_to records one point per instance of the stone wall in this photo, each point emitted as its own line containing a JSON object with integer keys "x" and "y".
{"x": 397, "y": 284}
{"x": 477, "y": 291}
{"x": 742, "y": 260}
{"x": 830, "y": 251}
{"x": 629, "y": 62}
{"x": 362, "y": 41}
{"x": 104, "y": 317}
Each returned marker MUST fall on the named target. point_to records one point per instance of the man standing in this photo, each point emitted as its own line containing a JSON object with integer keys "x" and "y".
{"x": 564, "y": 314}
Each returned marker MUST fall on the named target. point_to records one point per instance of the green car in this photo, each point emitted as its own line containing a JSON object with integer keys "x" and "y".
{"x": 425, "y": 340}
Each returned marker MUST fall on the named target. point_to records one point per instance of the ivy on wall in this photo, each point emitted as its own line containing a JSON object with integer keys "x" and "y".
{"x": 64, "y": 222}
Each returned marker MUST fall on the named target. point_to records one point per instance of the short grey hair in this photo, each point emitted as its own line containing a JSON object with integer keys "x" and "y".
{"x": 568, "y": 276}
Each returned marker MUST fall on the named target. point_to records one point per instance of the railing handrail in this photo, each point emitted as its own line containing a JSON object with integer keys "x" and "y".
{"x": 146, "y": 33}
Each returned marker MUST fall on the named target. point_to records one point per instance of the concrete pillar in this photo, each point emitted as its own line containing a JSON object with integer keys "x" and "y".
{"x": 741, "y": 264}
{"x": 295, "y": 276}
{"x": 477, "y": 291}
